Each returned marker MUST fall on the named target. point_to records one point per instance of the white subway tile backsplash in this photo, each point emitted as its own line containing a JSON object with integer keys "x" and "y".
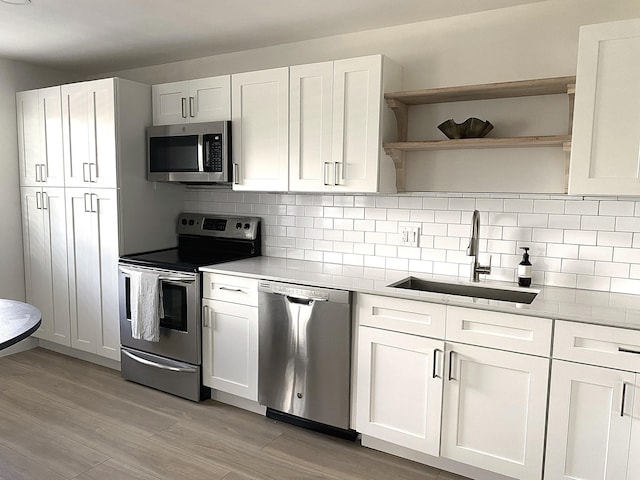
{"x": 548, "y": 206}
{"x": 560, "y": 250}
{"x": 615, "y": 239}
{"x": 591, "y": 222}
{"x": 581, "y": 207}
{"x": 604, "y": 254}
{"x": 564, "y": 221}
{"x": 518, "y": 205}
{"x": 580, "y": 237}
{"x": 591, "y": 243}
{"x": 533, "y": 220}
{"x": 617, "y": 208}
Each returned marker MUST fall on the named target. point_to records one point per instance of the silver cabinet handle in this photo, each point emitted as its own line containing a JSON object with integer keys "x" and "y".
{"x": 37, "y": 168}
{"x": 38, "y": 200}
{"x": 236, "y": 176}
{"x": 45, "y": 201}
{"x": 93, "y": 172}
{"x": 628, "y": 350}
{"x": 87, "y": 208}
{"x": 324, "y": 173}
{"x": 43, "y": 172}
{"x": 184, "y": 107}
{"x": 239, "y": 290}
{"x": 205, "y": 316}
{"x": 85, "y": 177}
{"x": 144, "y": 361}
{"x": 336, "y": 169}
{"x": 451, "y": 377}
{"x": 192, "y": 107}
{"x": 435, "y": 362}
{"x": 624, "y": 394}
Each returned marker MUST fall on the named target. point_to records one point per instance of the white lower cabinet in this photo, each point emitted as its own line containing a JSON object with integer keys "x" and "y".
{"x": 400, "y": 388}
{"x": 594, "y": 405}
{"x": 494, "y": 409}
{"x": 230, "y": 335}
{"x": 45, "y": 259}
{"x": 92, "y": 235}
{"x": 589, "y": 434}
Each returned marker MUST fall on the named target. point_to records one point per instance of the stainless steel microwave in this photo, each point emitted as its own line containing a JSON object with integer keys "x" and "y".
{"x": 189, "y": 153}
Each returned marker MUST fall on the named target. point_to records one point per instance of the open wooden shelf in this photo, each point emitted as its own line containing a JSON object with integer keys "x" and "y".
{"x": 399, "y": 102}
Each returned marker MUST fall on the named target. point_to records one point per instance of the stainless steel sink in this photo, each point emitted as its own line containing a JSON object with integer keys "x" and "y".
{"x": 475, "y": 291}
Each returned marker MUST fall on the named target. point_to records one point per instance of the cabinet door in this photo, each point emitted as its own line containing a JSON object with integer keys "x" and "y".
{"x": 106, "y": 236}
{"x": 37, "y": 273}
{"x": 76, "y": 131}
{"x": 399, "y": 388}
{"x": 606, "y": 127}
{"x": 260, "y": 115}
{"x": 88, "y": 110}
{"x": 633, "y": 467}
{"x": 494, "y": 409}
{"x": 210, "y": 99}
{"x": 92, "y": 232}
{"x": 52, "y": 152}
{"x": 28, "y": 122}
{"x": 102, "y": 137}
{"x": 170, "y": 103}
{"x": 230, "y": 348}
{"x": 311, "y": 96}
{"x": 588, "y": 437}
{"x": 357, "y": 101}
{"x": 55, "y": 240}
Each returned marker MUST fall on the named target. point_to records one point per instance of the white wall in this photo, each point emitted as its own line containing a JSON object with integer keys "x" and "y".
{"x": 14, "y": 76}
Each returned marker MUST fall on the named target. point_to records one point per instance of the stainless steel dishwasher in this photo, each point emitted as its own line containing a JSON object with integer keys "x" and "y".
{"x": 304, "y": 374}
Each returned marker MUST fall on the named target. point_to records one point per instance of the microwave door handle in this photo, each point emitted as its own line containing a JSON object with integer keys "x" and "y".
{"x": 201, "y": 153}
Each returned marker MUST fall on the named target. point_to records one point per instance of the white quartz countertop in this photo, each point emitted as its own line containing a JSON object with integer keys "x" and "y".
{"x": 602, "y": 308}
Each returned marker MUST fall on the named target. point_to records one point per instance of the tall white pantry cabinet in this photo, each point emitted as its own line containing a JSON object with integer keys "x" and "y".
{"x": 84, "y": 192}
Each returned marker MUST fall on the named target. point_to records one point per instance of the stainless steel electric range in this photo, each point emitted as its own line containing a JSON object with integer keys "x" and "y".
{"x": 173, "y": 362}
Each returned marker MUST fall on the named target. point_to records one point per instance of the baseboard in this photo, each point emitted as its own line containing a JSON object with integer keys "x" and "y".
{"x": 239, "y": 402}
{"x": 26, "y": 344}
{"x": 436, "y": 462}
{"x": 79, "y": 354}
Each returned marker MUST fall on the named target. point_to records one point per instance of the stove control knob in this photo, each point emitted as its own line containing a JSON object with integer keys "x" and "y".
{"x": 238, "y": 225}
{"x": 184, "y": 221}
{"x": 247, "y": 226}
{"x": 191, "y": 222}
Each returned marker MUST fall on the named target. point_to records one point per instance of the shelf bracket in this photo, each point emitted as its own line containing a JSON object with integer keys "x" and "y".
{"x": 401, "y": 111}
{"x": 398, "y": 160}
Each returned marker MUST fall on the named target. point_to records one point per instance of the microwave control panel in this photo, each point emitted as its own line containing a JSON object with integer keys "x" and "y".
{"x": 213, "y": 152}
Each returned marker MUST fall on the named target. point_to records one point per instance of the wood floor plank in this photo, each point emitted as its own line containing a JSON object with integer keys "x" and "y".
{"x": 64, "y": 418}
{"x": 15, "y": 466}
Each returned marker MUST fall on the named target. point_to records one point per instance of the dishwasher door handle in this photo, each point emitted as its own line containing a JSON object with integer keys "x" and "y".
{"x": 303, "y": 300}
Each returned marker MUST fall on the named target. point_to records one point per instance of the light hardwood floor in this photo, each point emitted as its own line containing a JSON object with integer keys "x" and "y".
{"x": 62, "y": 418}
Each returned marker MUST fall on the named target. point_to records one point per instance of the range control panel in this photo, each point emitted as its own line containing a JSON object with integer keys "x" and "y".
{"x": 222, "y": 226}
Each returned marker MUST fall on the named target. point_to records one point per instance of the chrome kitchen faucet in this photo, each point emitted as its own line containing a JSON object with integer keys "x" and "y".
{"x": 473, "y": 250}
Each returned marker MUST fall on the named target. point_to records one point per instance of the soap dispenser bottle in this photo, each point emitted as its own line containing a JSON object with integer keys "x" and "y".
{"x": 524, "y": 269}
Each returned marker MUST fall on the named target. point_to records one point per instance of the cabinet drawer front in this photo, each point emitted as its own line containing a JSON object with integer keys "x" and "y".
{"x": 518, "y": 333}
{"x": 597, "y": 345}
{"x": 406, "y": 316}
{"x": 230, "y": 289}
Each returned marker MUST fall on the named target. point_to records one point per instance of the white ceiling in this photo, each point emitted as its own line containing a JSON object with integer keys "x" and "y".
{"x": 90, "y": 36}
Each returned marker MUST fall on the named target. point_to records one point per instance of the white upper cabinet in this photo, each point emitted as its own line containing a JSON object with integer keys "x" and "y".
{"x": 39, "y": 119}
{"x": 89, "y": 133}
{"x": 337, "y": 125}
{"x": 605, "y": 151}
{"x": 260, "y": 116}
{"x": 200, "y": 100}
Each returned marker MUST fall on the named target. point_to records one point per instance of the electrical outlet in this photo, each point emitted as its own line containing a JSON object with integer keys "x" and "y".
{"x": 409, "y": 236}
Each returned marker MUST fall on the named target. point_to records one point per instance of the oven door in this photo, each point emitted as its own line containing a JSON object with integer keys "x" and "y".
{"x": 180, "y": 329}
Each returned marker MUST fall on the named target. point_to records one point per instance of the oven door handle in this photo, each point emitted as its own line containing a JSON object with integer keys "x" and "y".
{"x": 150, "y": 363}
{"x": 162, "y": 278}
